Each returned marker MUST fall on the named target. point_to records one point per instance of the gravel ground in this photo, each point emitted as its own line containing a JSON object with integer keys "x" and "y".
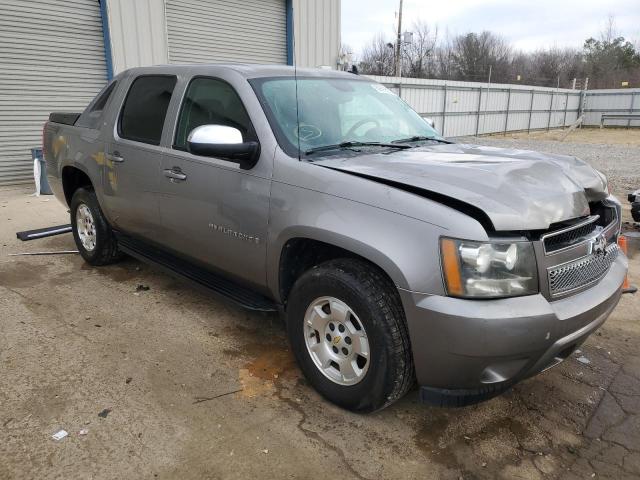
{"x": 616, "y": 153}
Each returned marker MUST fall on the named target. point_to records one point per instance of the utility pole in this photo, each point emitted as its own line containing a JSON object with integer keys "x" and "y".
{"x": 399, "y": 43}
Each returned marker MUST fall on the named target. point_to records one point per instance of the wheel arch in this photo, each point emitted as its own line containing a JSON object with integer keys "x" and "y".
{"x": 74, "y": 177}
{"x": 310, "y": 246}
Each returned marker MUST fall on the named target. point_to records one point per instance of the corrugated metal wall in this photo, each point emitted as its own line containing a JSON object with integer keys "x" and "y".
{"x": 599, "y": 102}
{"x": 317, "y": 32}
{"x": 51, "y": 58}
{"x": 471, "y": 108}
{"x": 138, "y": 32}
{"x": 202, "y": 31}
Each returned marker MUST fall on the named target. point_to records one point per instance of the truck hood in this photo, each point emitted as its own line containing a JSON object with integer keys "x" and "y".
{"x": 516, "y": 189}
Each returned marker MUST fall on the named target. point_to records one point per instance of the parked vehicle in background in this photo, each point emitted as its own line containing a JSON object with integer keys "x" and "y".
{"x": 394, "y": 254}
{"x": 634, "y": 200}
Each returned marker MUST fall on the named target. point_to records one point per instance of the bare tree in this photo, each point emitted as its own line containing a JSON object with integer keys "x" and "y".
{"x": 606, "y": 60}
{"x": 473, "y": 54}
{"x": 419, "y": 56}
{"x": 378, "y": 57}
{"x": 610, "y": 57}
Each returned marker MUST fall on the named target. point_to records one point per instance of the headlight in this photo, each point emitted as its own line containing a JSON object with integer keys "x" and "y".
{"x": 488, "y": 269}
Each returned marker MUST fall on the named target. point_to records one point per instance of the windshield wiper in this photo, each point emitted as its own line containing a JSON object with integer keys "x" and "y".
{"x": 421, "y": 138}
{"x": 352, "y": 144}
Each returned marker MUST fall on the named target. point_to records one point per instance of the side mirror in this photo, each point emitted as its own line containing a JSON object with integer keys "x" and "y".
{"x": 223, "y": 142}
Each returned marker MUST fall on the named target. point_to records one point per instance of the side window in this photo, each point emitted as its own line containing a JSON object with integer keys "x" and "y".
{"x": 90, "y": 118}
{"x": 145, "y": 108}
{"x": 103, "y": 99}
{"x": 211, "y": 102}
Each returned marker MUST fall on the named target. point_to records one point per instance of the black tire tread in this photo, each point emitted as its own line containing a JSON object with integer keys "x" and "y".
{"x": 108, "y": 252}
{"x": 378, "y": 289}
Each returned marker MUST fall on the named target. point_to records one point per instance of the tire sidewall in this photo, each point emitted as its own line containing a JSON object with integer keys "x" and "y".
{"x": 320, "y": 282}
{"x": 88, "y": 198}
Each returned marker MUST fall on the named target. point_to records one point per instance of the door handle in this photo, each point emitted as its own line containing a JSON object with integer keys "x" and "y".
{"x": 175, "y": 174}
{"x": 115, "y": 157}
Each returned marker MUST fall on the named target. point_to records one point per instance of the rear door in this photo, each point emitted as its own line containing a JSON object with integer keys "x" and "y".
{"x": 133, "y": 156}
{"x": 212, "y": 211}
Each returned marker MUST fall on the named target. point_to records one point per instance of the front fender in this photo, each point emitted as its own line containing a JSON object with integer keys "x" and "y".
{"x": 404, "y": 247}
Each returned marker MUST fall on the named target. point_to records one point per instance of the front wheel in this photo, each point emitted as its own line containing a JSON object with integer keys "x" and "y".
{"x": 93, "y": 235}
{"x": 347, "y": 329}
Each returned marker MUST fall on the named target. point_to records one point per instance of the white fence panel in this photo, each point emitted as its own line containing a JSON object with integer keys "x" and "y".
{"x": 614, "y": 101}
{"x": 471, "y": 108}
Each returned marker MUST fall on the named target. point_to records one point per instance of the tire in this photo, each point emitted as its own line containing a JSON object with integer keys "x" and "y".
{"x": 374, "y": 304}
{"x": 99, "y": 246}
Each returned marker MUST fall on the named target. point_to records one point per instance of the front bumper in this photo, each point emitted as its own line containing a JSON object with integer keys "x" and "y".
{"x": 475, "y": 349}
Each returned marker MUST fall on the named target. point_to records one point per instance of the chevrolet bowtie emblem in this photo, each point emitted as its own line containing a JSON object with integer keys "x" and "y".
{"x": 599, "y": 244}
{"x": 336, "y": 340}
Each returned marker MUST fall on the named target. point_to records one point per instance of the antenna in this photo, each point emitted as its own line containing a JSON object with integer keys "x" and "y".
{"x": 295, "y": 77}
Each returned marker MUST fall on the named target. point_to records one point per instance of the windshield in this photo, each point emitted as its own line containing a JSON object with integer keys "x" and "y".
{"x": 334, "y": 111}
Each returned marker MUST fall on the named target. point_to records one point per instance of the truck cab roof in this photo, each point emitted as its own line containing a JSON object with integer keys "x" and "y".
{"x": 246, "y": 70}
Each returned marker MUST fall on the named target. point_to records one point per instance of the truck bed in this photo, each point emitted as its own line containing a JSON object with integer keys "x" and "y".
{"x": 65, "y": 118}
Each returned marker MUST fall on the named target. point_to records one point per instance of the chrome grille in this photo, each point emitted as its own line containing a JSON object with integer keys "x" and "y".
{"x": 569, "y": 237}
{"x": 581, "y": 272}
{"x": 566, "y": 237}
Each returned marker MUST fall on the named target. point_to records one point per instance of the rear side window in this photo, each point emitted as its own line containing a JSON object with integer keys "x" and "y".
{"x": 145, "y": 108}
{"x": 209, "y": 101}
{"x": 91, "y": 117}
{"x": 103, "y": 99}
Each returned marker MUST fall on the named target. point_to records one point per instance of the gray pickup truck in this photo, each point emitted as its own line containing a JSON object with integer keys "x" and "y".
{"x": 394, "y": 254}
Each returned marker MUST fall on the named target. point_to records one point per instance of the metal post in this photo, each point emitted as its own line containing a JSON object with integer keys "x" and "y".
{"x": 550, "y": 108}
{"x": 533, "y": 94}
{"x": 479, "y": 104}
{"x": 506, "y": 116}
{"x": 633, "y": 95}
{"x": 566, "y": 105}
{"x": 583, "y": 96}
{"x": 486, "y": 100}
{"x": 398, "y": 43}
{"x": 444, "y": 108}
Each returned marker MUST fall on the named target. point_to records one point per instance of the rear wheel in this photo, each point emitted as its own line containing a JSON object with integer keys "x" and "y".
{"x": 93, "y": 235}
{"x": 348, "y": 332}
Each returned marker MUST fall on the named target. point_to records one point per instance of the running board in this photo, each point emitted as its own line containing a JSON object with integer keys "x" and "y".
{"x": 43, "y": 232}
{"x": 199, "y": 276}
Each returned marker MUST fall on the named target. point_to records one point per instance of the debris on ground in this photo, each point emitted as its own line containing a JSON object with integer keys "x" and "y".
{"x": 584, "y": 360}
{"x": 60, "y": 434}
{"x": 104, "y": 413}
{"x": 128, "y": 380}
{"x": 84, "y": 431}
{"x": 142, "y": 288}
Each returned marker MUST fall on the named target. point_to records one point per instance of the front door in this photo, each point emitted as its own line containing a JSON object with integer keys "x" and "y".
{"x": 211, "y": 210}
{"x": 133, "y": 157}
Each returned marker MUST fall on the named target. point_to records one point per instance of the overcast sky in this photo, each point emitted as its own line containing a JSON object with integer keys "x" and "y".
{"x": 527, "y": 24}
